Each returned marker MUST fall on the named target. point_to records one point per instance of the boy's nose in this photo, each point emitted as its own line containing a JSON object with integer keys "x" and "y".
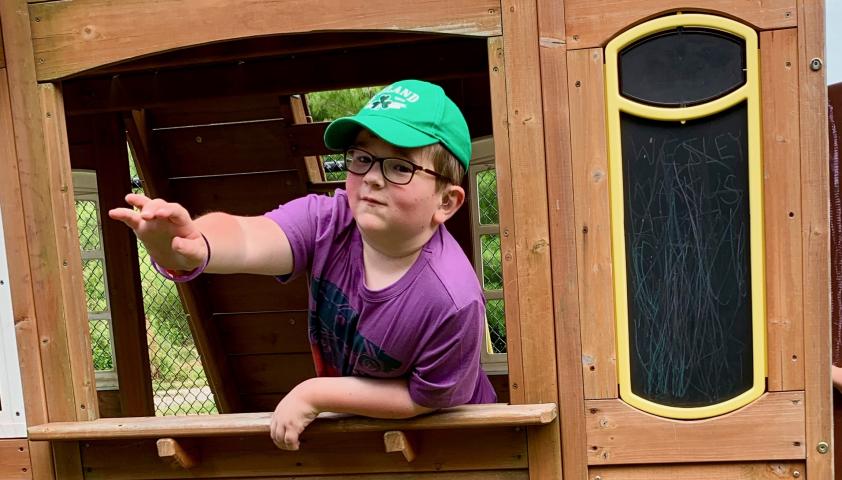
{"x": 374, "y": 176}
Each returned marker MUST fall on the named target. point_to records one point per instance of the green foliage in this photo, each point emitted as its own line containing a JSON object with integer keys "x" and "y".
{"x": 332, "y": 104}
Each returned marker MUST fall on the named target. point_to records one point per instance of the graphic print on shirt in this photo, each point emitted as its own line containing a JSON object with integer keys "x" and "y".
{"x": 338, "y": 348}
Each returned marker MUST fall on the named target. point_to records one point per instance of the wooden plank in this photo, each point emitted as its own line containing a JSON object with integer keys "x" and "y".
{"x": 273, "y": 46}
{"x": 300, "y": 116}
{"x": 731, "y": 471}
{"x": 289, "y": 155}
{"x": 180, "y": 454}
{"x": 75, "y": 36}
{"x": 563, "y": 235}
{"x": 815, "y": 184}
{"x": 2, "y": 52}
{"x": 278, "y": 373}
{"x": 503, "y": 167}
{"x": 14, "y": 459}
{"x": 68, "y": 461}
{"x": 593, "y": 23}
{"x": 35, "y": 188}
{"x": 109, "y": 403}
{"x": 246, "y": 194}
{"x": 128, "y": 321}
{"x": 264, "y": 332}
{"x": 222, "y": 110}
{"x": 771, "y": 428}
{"x": 491, "y": 415}
{"x": 444, "y": 59}
{"x": 782, "y": 210}
{"x": 531, "y": 226}
{"x": 225, "y": 148}
{"x": 472, "y": 475}
{"x": 240, "y": 292}
{"x": 593, "y": 222}
{"x": 349, "y": 454}
{"x": 205, "y": 336}
{"x": 75, "y": 325}
{"x": 17, "y": 256}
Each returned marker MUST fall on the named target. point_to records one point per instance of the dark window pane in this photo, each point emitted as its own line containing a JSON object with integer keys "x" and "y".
{"x": 682, "y": 67}
{"x": 687, "y": 258}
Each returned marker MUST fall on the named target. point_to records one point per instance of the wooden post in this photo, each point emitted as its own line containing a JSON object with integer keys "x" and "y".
{"x": 531, "y": 227}
{"x": 812, "y": 93}
{"x": 124, "y": 288}
{"x": 179, "y": 453}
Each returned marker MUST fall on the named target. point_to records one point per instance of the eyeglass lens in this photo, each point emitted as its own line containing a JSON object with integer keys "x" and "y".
{"x": 395, "y": 170}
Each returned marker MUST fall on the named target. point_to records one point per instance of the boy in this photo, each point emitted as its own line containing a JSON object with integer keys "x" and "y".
{"x": 396, "y": 312}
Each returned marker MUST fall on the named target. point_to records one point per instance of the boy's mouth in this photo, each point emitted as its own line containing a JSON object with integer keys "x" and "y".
{"x": 371, "y": 200}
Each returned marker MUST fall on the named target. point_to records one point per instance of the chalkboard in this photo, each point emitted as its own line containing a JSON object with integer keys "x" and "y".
{"x": 686, "y": 209}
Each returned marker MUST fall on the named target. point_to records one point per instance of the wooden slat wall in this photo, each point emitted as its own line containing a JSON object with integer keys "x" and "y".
{"x": 75, "y": 36}
{"x": 593, "y": 221}
{"x": 593, "y": 23}
{"x": 812, "y": 88}
{"x": 531, "y": 227}
{"x": 782, "y": 210}
{"x": 731, "y": 471}
{"x": 771, "y": 428}
{"x": 14, "y": 459}
{"x": 446, "y": 452}
{"x": 244, "y": 167}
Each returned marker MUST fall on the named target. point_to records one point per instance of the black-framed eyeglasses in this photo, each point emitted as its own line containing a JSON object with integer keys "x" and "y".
{"x": 394, "y": 169}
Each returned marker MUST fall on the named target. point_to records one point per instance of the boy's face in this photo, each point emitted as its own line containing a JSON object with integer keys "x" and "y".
{"x": 397, "y": 213}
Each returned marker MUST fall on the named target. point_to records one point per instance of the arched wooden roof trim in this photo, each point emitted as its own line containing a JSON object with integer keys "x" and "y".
{"x": 73, "y": 37}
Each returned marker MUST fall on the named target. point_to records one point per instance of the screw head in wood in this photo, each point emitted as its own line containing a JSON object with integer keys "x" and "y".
{"x": 816, "y": 64}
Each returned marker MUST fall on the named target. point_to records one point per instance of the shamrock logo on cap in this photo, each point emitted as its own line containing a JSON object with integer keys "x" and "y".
{"x": 385, "y": 102}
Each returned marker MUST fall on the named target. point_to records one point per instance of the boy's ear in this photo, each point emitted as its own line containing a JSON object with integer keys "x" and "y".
{"x": 452, "y": 197}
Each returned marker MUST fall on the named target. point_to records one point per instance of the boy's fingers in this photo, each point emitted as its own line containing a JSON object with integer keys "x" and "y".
{"x": 137, "y": 200}
{"x": 291, "y": 440}
{"x": 148, "y": 212}
{"x": 127, "y": 216}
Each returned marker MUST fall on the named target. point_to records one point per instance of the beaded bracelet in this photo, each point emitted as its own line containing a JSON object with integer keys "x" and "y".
{"x": 185, "y": 277}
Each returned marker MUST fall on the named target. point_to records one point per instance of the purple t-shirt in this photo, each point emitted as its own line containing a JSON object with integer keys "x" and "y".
{"x": 427, "y": 326}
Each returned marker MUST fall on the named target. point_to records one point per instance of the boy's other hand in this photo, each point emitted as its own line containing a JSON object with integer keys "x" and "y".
{"x": 291, "y": 417}
{"x": 166, "y": 229}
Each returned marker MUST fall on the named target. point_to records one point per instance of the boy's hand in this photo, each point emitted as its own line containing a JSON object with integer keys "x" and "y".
{"x": 291, "y": 417}
{"x": 167, "y": 231}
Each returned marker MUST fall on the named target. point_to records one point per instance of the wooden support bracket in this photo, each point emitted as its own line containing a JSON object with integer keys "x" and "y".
{"x": 398, "y": 441}
{"x": 180, "y": 453}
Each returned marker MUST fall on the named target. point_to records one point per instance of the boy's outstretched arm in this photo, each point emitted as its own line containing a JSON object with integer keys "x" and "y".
{"x": 378, "y": 398}
{"x": 237, "y": 244}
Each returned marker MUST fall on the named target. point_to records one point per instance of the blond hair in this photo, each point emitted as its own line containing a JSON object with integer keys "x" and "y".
{"x": 445, "y": 163}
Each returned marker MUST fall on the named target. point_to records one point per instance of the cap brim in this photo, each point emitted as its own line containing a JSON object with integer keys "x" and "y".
{"x": 342, "y": 132}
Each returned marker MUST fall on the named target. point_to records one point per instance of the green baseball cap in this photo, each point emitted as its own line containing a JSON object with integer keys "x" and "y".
{"x": 407, "y": 114}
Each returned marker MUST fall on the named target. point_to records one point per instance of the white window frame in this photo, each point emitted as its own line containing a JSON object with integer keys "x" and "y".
{"x": 85, "y": 189}
{"x": 12, "y": 414}
{"x": 482, "y": 159}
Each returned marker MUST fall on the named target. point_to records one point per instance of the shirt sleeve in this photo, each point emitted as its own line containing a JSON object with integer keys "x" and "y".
{"x": 448, "y": 369}
{"x": 304, "y": 220}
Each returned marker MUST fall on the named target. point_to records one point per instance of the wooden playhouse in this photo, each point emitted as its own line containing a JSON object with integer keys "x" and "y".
{"x": 662, "y": 182}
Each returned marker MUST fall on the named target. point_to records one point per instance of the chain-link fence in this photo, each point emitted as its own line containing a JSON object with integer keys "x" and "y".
{"x": 492, "y": 264}
{"x": 178, "y": 378}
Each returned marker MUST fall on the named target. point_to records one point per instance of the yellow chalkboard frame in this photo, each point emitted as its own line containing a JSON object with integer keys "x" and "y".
{"x": 615, "y": 104}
